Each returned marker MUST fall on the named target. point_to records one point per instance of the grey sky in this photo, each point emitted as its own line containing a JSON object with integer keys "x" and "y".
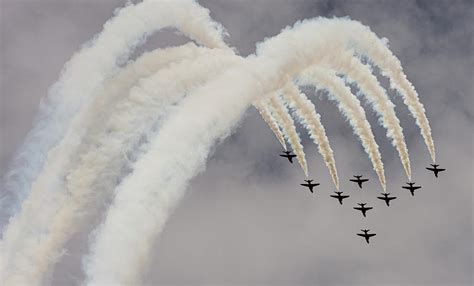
{"x": 245, "y": 220}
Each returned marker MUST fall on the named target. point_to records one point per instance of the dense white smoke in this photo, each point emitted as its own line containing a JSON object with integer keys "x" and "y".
{"x": 278, "y": 108}
{"x": 350, "y": 107}
{"x": 85, "y": 73}
{"x": 137, "y": 134}
{"x": 307, "y": 115}
{"x": 267, "y": 116}
{"x": 361, "y": 75}
{"x": 102, "y": 161}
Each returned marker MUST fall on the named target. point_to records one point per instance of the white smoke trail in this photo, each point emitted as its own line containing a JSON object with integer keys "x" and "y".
{"x": 392, "y": 68}
{"x": 176, "y": 155}
{"x": 179, "y": 151}
{"x": 148, "y": 195}
{"x": 86, "y": 71}
{"x": 44, "y": 196}
{"x": 270, "y": 120}
{"x": 310, "y": 119}
{"x": 351, "y": 109}
{"x": 361, "y": 75}
{"x": 136, "y": 218}
{"x": 287, "y": 125}
{"x": 101, "y": 164}
{"x": 368, "y": 44}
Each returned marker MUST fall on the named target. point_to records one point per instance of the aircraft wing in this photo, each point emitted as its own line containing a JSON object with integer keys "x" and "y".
{"x": 416, "y": 188}
{"x": 408, "y": 188}
{"x": 371, "y": 234}
{"x": 360, "y": 234}
{"x": 363, "y": 180}
{"x": 439, "y": 170}
{"x": 353, "y": 180}
{"x": 344, "y": 197}
{"x": 305, "y": 185}
{"x": 431, "y": 169}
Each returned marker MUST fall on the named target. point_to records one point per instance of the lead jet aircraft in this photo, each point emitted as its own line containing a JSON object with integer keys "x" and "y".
{"x": 339, "y": 197}
{"x": 366, "y": 235}
{"x": 310, "y": 185}
{"x": 435, "y": 169}
{"x": 363, "y": 208}
{"x": 358, "y": 180}
{"x": 386, "y": 198}
{"x": 288, "y": 155}
{"x": 411, "y": 188}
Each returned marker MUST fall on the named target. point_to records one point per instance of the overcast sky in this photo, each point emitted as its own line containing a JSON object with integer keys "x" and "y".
{"x": 245, "y": 219}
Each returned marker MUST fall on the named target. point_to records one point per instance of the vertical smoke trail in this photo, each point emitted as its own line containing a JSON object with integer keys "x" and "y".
{"x": 88, "y": 69}
{"x": 361, "y": 75}
{"x": 367, "y": 43}
{"x": 307, "y": 115}
{"x": 351, "y": 109}
{"x": 270, "y": 120}
{"x": 289, "y": 130}
{"x": 100, "y": 166}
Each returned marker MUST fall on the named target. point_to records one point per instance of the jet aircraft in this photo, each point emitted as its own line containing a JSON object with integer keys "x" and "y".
{"x": 363, "y": 208}
{"x": 435, "y": 169}
{"x": 358, "y": 180}
{"x": 386, "y": 198}
{"x": 310, "y": 185}
{"x": 411, "y": 188}
{"x": 339, "y": 197}
{"x": 366, "y": 235}
{"x": 288, "y": 155}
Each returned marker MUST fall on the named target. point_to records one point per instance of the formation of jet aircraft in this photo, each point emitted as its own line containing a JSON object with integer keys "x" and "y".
{"x": 411, "y": 188}
{"x": 359, "y": 180}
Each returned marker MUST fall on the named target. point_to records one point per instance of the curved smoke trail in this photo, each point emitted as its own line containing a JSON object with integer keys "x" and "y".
{"x": 350, "y": 107}
{"x": 100, "y": 166}
{"x": 361, "y": 75}
{"x": 87, "y": 69}
{"x": 379, "y": 54}
{"x": 134, "y": 220}
{"x": 180, "y": 112}
{"x": 307, "y": 115}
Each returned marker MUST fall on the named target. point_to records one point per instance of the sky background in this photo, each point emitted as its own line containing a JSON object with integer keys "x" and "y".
{"x": 245, "y": 220}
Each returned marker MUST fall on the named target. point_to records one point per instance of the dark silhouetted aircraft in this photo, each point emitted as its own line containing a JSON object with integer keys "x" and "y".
{"x": 358, "y": 180}
{"x": 288, "y": 155}
{"x": 339, "y": 197}
{"x": 363, "y": 208}
{"x": 386, "y": 198}
{"x": 310, "y": 185}
{"x": 366, "y": 235}
{"x": 411, "y": 188}
{"x": 435, "y": 169}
